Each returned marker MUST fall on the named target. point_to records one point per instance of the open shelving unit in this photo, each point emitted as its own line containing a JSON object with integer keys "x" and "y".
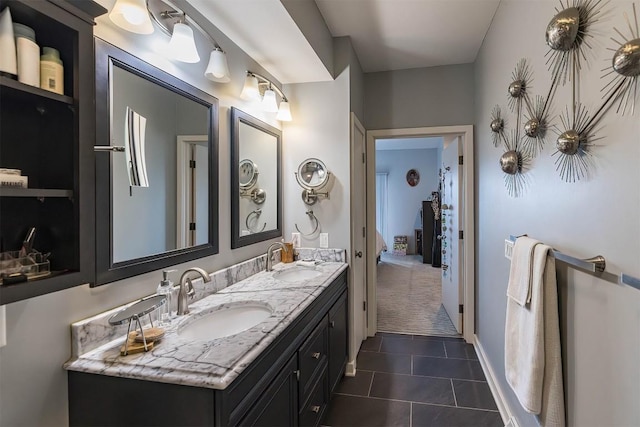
{"x": 49, "y": 137}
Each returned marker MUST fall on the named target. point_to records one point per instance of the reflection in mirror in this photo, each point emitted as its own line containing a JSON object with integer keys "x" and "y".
{"x": 156, "y": 206}
{"x": 256, "y": 208}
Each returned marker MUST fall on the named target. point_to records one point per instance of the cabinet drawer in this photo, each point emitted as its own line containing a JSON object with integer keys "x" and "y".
{"x": 313, "y": 409}
{"x": 312, "y": 357}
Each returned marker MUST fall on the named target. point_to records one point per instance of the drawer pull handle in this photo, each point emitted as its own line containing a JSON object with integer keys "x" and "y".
{"x": 316, "y": 355}
{"x": 315, "y": 409}
{"x": 332, "y": 324}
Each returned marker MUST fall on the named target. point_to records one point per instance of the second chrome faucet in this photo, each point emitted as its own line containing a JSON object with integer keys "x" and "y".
{"x": 186, "y": 288}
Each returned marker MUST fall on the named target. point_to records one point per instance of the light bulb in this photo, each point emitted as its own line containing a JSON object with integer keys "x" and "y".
{"x": 284, "y": 112}
{"x": 269, "y": 103}
{"x": 218, "y": 69}
{"x": 182, "y": 46}
{"x": 132, "y": 15}
{"x": 250, "y": 91}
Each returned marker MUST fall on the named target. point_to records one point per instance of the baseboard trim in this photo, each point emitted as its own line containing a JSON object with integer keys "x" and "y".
{"x": 350, "y": 370}
{"x": 498, "y": 395}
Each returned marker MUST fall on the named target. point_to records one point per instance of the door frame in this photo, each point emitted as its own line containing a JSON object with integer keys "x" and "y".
{"x": 468, "y": 271}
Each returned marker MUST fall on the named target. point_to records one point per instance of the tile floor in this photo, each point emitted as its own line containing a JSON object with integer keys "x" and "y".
{"x": 405, "y": 380}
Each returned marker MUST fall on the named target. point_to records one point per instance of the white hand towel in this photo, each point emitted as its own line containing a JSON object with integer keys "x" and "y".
{"x": 519, "y": 288}
{"x": 533, "y": 364}
{"x": 305, "y": 263}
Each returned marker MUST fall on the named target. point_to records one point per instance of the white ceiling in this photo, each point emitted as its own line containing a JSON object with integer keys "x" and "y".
{"x": 386, "y": 34}
{"x": 401, "y": 34}
{"x": 409, "y": 143}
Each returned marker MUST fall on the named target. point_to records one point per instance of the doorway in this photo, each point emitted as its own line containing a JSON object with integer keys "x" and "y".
{"x": 464, "y": 238}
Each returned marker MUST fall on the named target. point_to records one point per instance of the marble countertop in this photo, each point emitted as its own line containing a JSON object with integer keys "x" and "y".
{"x": 214, "y": 364}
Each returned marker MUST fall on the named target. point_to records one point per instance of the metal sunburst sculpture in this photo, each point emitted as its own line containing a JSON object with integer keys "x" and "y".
{"x": 567, "y": 36}
{"x": 574, "y": 144}
{"x": 497, "y": 125}
{"x": 624, "y": 86}
{"x": 536, "y": 126}
{"x": 520, "y": 86}
{"x": 514, "y": 162}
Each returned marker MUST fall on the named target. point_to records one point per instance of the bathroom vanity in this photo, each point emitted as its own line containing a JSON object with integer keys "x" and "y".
{"x": 279, "y": 372}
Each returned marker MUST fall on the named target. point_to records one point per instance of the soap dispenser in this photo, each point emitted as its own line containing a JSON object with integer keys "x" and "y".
{"x": 165, "y": 288}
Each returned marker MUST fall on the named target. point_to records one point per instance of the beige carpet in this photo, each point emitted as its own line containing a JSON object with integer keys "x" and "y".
{"x": 410, "y": 297}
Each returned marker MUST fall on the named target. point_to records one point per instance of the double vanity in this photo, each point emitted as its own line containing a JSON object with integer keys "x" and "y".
{"x": 265, "y": 350}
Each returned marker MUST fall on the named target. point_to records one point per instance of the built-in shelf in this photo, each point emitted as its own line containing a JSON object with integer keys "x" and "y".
{"x": 14, "y": 85}
{"x": 34, "y": 192}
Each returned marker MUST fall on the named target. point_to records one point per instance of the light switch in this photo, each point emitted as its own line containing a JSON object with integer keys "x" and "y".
{"x": 508, "y": 248}
{"x": 324, "y": 240}
{"x": 295, "y": 240}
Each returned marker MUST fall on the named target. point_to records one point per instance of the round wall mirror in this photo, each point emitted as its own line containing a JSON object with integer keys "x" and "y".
{"x": 312, "y": 174}
{"x": 248, "y": 173}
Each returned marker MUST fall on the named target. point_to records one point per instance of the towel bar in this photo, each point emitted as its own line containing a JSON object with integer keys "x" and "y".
{"x": 596, "y": 264}
{"x": 630, "y": 280}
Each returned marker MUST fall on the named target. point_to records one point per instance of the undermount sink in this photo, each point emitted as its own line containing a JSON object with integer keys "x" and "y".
{"x": 225, "y": 320}
{"x": 296, "y": 274}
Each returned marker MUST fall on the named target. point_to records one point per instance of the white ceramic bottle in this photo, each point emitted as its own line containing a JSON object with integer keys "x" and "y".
{"x": 51, "y": 71}
{"x": 28, "y": 55}
{"x": 8, "y": 62}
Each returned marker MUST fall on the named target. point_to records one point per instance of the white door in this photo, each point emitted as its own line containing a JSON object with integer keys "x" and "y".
{"x": 358, "y": 254}
{"x": 452, "y": 216}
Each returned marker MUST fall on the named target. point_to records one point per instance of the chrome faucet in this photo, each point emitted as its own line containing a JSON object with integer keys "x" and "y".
{"x": 273, "y": 246}
{"x": 186, "y": 288}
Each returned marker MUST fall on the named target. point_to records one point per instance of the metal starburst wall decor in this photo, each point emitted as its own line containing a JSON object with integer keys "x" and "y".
{"x": 567, "y": 36}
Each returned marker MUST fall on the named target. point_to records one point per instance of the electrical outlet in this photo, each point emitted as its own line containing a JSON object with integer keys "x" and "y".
{"x": 295, "y": 240}
{"x": 324, "y": 240}
{"x": 508, "y": 248}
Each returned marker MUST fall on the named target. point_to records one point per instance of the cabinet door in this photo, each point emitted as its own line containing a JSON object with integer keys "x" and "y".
{"x": 278, "y": 405}
{"x": 337, "y": 340}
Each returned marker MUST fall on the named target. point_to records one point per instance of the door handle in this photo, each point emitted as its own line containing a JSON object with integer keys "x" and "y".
{"x": 359, "y": 254}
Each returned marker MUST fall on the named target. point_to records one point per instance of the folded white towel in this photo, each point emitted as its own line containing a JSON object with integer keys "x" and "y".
{"x": 519, "y": 288}
{"x": 533, "y": 364}
{"x": 304, "y": 263}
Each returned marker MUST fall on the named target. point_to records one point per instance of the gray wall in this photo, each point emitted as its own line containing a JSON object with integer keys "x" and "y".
{"x": 435, "y": 96}
{"x": 599, "y": 215}
{"x": 33, "y": 385}
{"x": 403, "y": 201}
{"x": 308, "y": 18}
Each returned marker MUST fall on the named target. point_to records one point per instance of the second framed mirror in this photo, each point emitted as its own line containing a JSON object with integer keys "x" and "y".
{"x": 256, "y": 195}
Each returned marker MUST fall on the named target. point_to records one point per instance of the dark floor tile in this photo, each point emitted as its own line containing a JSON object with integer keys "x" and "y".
{"x": 411, "y": 346}
{"x": 447, "y": 368}
{"x": 384, "y": 362}
{"x": 436, "y": 338}
{"x": 371, "y": 344}
{"x": 460, "y": 350}
{"x": 474, "y": 394}
{"x": 412, "y": 388}
{"x": 438, "y": 416}
{"x": 358, "y": 385}
{"x": 365, "y": 411}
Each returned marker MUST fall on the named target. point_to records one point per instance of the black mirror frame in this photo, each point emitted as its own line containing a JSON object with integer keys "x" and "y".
{"x": 237, "y": 241}
{"x": 108, "y": 56}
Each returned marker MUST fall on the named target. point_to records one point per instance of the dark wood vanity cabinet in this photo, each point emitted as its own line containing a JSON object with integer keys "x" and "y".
{"x": 50, "y": 138}
{"x": 288, "y": 384}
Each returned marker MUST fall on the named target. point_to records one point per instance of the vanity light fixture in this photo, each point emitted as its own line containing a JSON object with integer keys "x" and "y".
{"x": 255, "y": 83}
{"x": 136, "y": 15}
{"x": 132, "y": 15}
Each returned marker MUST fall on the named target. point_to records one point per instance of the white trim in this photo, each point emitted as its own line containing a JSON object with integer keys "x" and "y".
{"x": 183, "y": 186}
{"x": 350, "y": 370}
{"x": 466, "y": 134}
{"x": 503, "y": 406}
{"x": 356, "y": 237}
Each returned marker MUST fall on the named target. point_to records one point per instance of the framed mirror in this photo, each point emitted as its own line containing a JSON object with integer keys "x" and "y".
{"x": 256, "y": 196}
{"x": 156, "y": 202}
